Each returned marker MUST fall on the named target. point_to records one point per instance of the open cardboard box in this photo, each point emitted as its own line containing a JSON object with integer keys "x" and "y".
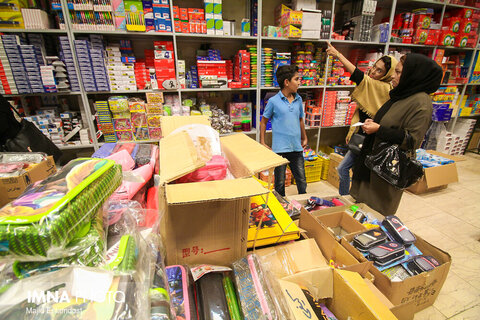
{"x": 331, "y": 249}
{"x": 436, "y": 177}
{"x": 419, "y": 291}
{"x": 339, "y": 223}
{"x": 302, "y": 199}
{"x": 11, "y": 188}
{"x": 345, "y": 294}
{"x": 207, "y": 222}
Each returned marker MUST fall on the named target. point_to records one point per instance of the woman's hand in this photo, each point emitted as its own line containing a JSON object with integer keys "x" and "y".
{"x": 331, "y": 51}
{"x": 370, "y": 126}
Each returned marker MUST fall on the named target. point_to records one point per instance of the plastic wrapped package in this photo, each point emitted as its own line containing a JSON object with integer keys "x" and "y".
{"x": 259, "y": 294}
{"x": 39, "y": 224}
{"x": 89, "y": 248}
{"x": 130, "y": 146}
{"x": 73, "y": 293}
{"x": 30, "y": 157}
{"x": 144, "y": 154}
{"x": 128, "y": 256}
{"x": 211, "y": 297}
{"x": 123, "y": 158}
{"x": 180, "y": 284}
{"x": 205, "y": 139}
{"x": 137, "y": 179}
{"x": 12, "y": 169}
{"x": 105, "y": 150}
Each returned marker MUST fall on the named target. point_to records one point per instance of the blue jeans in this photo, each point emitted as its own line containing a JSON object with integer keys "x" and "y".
{"x": 344, "y": 173}
{"x": 298, "y": 171}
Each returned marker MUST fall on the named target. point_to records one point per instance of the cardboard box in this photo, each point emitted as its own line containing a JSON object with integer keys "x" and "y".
{"x": 420, "y": 290}
{"x": 207, "y": 222}
{"x": 331, "y": 249}
{"x": 436, "y": 177}
{"x": 349, "y": 296}
{"x": 14, "y": 186}
{"x": 339, "y": 223}
{"x": 333, "y": 177}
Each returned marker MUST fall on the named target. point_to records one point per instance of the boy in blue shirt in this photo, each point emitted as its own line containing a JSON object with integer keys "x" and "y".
{"x": 285, "y": 109}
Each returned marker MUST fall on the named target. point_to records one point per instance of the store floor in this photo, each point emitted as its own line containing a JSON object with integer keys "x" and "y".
{"x": 450, "y": 220}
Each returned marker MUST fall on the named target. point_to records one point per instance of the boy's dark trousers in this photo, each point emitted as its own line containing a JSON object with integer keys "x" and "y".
{"x": 298, "y": 171}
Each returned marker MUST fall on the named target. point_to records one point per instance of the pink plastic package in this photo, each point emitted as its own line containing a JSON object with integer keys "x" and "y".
{"x": 215, "y": 169}
{"x": 129, "y": 187}
{"x": 124, "y": 159}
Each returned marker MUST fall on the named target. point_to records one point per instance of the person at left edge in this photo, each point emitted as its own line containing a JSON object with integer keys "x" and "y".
{"x": 285, "y": 110}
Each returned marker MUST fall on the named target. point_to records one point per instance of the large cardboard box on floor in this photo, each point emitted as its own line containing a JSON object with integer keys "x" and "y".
{"x": 207, "y": 222}
{"x": 419, "y": 291}
{"x": 11, "y": 188}
{"x": 332, "y": 177}
{"x": 436, "y": 177}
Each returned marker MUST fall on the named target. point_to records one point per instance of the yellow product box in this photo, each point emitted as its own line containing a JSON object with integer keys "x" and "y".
{"x": 12, "y": 5}
{"x": 280, "y": 10}
{"x": 11, "y": 19}
{"x": 292, "y": 32}
{"x": 293, "y": 18}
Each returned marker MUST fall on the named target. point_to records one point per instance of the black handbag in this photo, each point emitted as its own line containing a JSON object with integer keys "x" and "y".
{"x": 355, "y": 143}
{"x": 397, "y": 167}
{"x": 31, "y": 139}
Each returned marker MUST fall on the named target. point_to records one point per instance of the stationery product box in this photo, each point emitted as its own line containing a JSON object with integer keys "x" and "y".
{"x": 436, "y": 177}
{"x": 292, "y": 32}
{"x": 304, "y": 4}
{"x": 419, "y": 291}
{"x": 218, "y": 27}
{"x": 245, "y": 27}
{"x": 207, "y": 222}
{"x": 14, "y": 186}
{"x": 310, "y": 20}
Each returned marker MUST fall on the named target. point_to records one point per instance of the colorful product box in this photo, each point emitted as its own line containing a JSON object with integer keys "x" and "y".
{"x": 466, "y": 26}
{"x": 210, "y": 26}
{"x": 461, "y": 40}
{"x": 209, "y": 10}
{"x": 245, "y": 27}
{"x": 280, "y": 10}
{"x": 452, "y": 24}
{"x": 218, "y": 27}
{"x": 292, "y": 32}
{"x": 447, "y": 38}
{"x": 217, "y": 11}
{"x": 293, "y": 18}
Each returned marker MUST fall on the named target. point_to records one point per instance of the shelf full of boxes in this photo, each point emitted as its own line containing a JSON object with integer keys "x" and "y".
{"x": 186, "y": 64}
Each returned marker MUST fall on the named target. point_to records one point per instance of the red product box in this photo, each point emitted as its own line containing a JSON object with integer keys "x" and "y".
{"x": 185, "y": 27}
{"x": 196, "y": 14}
{"x": 461, "y": 40}
{"x": 191, "y": 27}
{"x": 235, "y": 85}
{"x": 176, "y": 12}
{"x": 466, "y": 26}
{"x": 433, "y": 36}
{"x": 422, "y": 21}
{"x": 178, "y": 26}
{"x": 204, "y": 26}
{"x": 452, "y": 24}
{"x": 463, "y": 13}
{"x": 162, "y": 45}
{"x": 447, "y": 38}
{"x": 183, "y": 14}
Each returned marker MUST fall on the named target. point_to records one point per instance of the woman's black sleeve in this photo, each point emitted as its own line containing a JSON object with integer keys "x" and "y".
{"x": 357, "y": 76}
{"x": 394, "y": 136}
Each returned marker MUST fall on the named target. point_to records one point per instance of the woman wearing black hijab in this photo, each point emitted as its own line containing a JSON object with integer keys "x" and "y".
{"x": 409, "y": 110}
{"x": 9, "y": 126}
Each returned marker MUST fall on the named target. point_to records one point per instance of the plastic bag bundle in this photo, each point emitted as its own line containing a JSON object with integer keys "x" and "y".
{"x": 89, "y": 248}
{"x": 259, "y": 294}
{"x": 51, "y": 213}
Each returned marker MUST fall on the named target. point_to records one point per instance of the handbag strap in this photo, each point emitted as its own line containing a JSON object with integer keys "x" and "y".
{"x": 15, "y": 110}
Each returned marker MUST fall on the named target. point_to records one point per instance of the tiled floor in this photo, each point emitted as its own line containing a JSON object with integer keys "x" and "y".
{"x": 450, "y": 220}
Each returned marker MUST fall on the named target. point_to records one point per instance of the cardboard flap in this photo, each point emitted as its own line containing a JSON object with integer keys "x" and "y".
{"x": 441, "y": 175}
{"x": 168, "y": 124}
{"x": 213, "y": 190}
{"x": 360, "y": 291}
{"x": 291, "y": 258}
{"x": 181, "y": 158}
{"x": 247, "y": 156}
{"x": 318, "y": 281}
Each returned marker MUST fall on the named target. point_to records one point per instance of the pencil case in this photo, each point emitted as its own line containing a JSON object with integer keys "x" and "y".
{"x": 180, "y": 286}
{"x": 39, "y": 224}
{"x": 255, "y": 295}
{"x": 398, "y": 230}
{"x": 211, "y": 298}
{"x": 123, "y": 254}
{"x": 232, "y": 301}
{"x": 386, "y": 253}
{"x": 368, "y": 239}
{"x": 421, "y": 264}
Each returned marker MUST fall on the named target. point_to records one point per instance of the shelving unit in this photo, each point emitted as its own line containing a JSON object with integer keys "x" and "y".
{"x": 182, "y": 39}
